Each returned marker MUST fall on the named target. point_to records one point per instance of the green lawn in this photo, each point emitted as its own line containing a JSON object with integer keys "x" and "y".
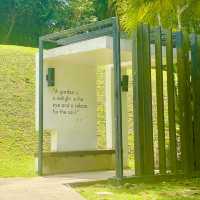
{"x": 188, "y": 189}
{"x": 17, "y": 165}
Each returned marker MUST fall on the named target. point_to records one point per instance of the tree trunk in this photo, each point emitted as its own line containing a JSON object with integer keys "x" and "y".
{"x": 179, "y": 18}
{"x": 12, "y": 24}
{"x": 180, "y": 11}
{"x": 159, "y": 20}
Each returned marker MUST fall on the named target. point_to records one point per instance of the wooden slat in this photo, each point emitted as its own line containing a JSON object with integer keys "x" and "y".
{"x": 138, "y": 100}
{"x": 195, "y": 52}
{"x": 184, "y": 96}
{"x": 171, "y": 102}
{"x": 160, "y": 102}
{"x": 147, "y": 94}
{"x": 144, "y": 159}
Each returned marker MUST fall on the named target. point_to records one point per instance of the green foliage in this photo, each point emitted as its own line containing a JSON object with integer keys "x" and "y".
{"x": 104, "y": 8}
{"x": 23, "y": 21}
{"x": 175, "y": 14}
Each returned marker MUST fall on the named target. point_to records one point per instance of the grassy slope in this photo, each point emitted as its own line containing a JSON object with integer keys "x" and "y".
{"x": 17, "y": 137}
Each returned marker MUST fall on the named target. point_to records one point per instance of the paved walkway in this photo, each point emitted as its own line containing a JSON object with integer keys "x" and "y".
{"x": 49, "y": 187}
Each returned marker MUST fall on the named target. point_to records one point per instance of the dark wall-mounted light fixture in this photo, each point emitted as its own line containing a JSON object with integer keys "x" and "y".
{"x": 124, "y": 83}
{"x": 51, "y": 77}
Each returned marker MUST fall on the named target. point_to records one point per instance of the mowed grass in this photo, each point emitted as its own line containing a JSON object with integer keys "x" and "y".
{"x": 17, "y": 132}
{"x": 186, "y": 189}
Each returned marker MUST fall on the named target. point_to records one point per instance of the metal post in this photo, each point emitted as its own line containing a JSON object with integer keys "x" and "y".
{"x": 40, "y": 136}
{"x": 118, "y": 109}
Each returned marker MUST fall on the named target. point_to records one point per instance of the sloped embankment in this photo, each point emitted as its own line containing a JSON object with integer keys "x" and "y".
{"x": 17, "y": 85}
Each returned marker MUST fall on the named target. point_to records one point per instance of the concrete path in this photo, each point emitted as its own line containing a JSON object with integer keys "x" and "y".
{"x": 36, "y": 189}
{"x": 48, "y": 188}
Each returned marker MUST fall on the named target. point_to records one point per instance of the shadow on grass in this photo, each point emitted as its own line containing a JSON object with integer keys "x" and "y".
{"x": 185, "y": 189}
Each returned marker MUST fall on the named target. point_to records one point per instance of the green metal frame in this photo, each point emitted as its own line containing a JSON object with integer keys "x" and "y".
{"x": 107, "y": 27}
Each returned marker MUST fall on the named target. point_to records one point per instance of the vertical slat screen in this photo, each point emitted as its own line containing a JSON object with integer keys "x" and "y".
{"x": 187, "y": 107}
{"x": 184, "y": 96}
{"x": 171, "y": 102}
{"x": 195, "y": 77}
{"x": 160, "y": 101}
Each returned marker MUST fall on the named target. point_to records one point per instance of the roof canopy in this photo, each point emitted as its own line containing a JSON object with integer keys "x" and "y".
{"x": 93, "y": 52}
